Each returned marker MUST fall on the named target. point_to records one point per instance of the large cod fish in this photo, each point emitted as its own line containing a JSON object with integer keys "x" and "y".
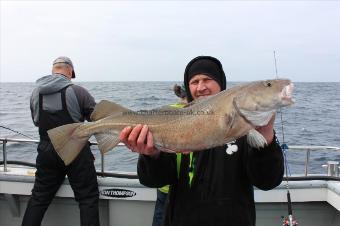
{"x": 205, "y": 123}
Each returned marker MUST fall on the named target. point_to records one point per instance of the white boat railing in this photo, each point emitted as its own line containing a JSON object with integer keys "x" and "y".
{"x": 332, "y": 166}
{"x": 4, "y": 142}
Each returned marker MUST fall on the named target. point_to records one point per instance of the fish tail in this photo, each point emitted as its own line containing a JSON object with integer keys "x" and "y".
{"x": 65, "y": 143}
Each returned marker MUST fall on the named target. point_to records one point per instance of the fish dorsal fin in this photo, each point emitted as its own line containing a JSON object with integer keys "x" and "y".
{"x": 106, "y": 108}
{"x": 199, "y": 101}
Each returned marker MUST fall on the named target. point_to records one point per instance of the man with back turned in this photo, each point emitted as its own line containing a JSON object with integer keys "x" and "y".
{"x": 54, "y": 102}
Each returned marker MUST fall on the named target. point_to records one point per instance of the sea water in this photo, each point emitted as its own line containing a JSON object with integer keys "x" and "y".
{"x": 313, "y": 120}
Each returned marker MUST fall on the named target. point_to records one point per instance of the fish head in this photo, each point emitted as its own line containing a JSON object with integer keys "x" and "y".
{"x": 258, "y": 101}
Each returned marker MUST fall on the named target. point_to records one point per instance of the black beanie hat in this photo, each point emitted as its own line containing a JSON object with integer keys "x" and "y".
{"x": 206, "y": 65}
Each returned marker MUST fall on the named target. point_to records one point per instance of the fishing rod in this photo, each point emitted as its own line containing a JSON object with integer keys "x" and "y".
{"x": 289, "y": 221}
{"x": 17, "y": 132}
{"x": 282, "y": 130}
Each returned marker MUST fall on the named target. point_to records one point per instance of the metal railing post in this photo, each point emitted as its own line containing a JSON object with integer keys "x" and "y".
{"x": 307, "y": 161}
{"x": 332, "y": 168}
{"x": 4, "y": 152}
{"x": 102, "y": 162}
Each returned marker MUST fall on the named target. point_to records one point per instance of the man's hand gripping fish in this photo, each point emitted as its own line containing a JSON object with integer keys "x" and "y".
{"x": 203, "y": 124}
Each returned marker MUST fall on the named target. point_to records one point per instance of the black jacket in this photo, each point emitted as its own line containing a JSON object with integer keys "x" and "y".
{"x": 221, "y": 191}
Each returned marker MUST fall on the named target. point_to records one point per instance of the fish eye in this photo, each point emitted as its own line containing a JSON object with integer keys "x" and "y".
{"x": 268, "y": 84}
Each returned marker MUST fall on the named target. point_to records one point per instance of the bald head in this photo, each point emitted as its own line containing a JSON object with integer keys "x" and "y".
{"x": 64, "y": 69}
{"x": 63, "y": 65}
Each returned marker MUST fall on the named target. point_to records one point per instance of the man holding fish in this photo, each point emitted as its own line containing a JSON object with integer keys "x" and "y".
{"x": 214, "y": 186}
{"x": 226, "y": 138}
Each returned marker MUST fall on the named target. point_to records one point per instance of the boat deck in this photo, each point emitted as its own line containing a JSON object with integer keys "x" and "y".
{"x": 125, "y": 202}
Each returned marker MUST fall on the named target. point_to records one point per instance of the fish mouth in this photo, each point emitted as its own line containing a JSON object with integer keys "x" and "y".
{"x": 286, "y": 95}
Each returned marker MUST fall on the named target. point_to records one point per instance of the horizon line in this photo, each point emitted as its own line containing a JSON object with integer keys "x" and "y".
{"x": 172, "y": 81}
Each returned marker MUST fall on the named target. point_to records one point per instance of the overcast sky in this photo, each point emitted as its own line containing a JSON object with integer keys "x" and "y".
{"x": 153, "y": 41}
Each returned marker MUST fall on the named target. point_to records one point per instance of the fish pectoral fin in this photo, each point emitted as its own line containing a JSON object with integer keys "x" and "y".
{"x": 107, "y": 141}
{"x": 106, "y": 108}
{"x": 255, "y": 139}
{"x": 257, "y": 118}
